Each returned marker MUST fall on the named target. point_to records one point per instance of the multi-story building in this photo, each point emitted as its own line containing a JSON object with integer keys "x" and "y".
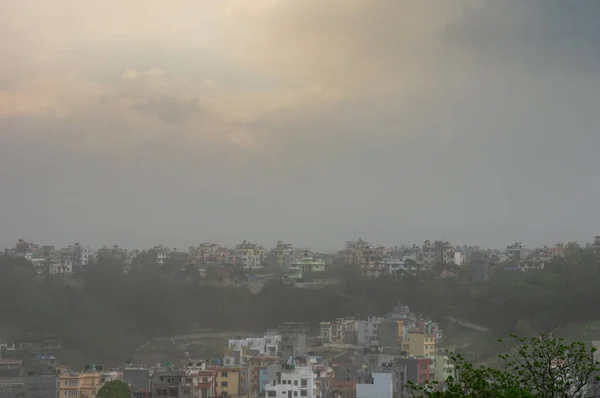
{"x": 250, "y": 255}
{"x": 308, "y": 264}
{"x": 515, "y": 253}
{"x": 162, "y": 253}
{"x": 442, "y": 367}
{"x": 257, "y": 369}
{"x": 240, "y": 350}
{"x": 378, "y": 383}
{"x": 419, "y": 344}
{"x": 367, "y": 331}
{"x": 208, "y": 253}
{"x": 293, "y": 339}
{"x": 282, "y": 255}
{"x": 292, "y": 379}
{"x": 80, "y": 384}
{"x": 29, "y": 387}
{"x": 340, "y": 331}
{"x": 230, "y": 381}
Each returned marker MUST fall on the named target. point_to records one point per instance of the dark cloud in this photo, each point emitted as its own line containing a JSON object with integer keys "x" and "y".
{"x": 539, "y": 35}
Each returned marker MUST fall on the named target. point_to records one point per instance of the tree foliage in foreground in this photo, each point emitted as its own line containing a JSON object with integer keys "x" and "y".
{"x": 541, "y": 367}
{"x": 114, "y": 389}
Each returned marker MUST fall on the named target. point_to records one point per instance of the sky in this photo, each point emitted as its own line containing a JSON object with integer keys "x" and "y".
{"x": 142, "y": 122}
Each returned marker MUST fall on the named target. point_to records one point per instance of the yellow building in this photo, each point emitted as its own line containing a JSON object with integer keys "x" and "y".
{"x": 229, "y": 381}
{"x": 419, "y": 344}
{"x": 81, "y": 385}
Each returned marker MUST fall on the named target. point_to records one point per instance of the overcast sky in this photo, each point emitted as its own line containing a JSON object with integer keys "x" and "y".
{"x": 141, "y": 122}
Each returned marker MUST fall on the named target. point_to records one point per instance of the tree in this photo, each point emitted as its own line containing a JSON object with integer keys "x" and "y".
{"x": 115, "y": 389}
{"x": 541, "y": 367}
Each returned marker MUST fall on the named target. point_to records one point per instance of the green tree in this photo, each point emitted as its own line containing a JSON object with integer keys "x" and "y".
{"x": 541, "y": 367}
{"x": 115, "y": 389}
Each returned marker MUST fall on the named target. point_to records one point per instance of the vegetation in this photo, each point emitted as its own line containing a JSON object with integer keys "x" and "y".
{"x": 543, "y": 367}
{"x": 114, "y": 389}
{"x": 109, "y": 313}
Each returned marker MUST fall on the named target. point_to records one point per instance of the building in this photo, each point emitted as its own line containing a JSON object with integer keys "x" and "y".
{"x": 367, "y": 331}
{"x": 442, "y": 367}
{"x": 282, "y": 255}
{"x": 258, "y": 372}
{"x": 391, "y": 332}
{"x": 249, "y": 255}
{"x": 240, "y": 350}
{"x": 293, "y": 339}
{"x": 293, "y": 379}
{"x": 340, "y": 331}
{"x": 11, "y": 367}
{"x": 80, "y": 384}
{"x": 29, "y": 387}
{"x": 208, "y": 253}
{"x": 307, "y": 265}
{"x": 419, "y": 344}
{"x": 230, "y": 381}
{"x": 515, "y": 253}
{"x": 376, "y": 384}
{"x": 414, "y": 370}
{"x": 139, "y": 381}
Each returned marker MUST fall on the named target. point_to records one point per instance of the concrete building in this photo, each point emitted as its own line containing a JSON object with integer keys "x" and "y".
{"x": 293, "y": 339}
{"x": 29, "y": 387}
{"x": 419, "y": 344}
{"x": 139, "y": 381}
{"x": 249, "y": 255}
{"x": 442, "y": 367}
{"x": 230, "y": 381}
{"x": 282, "y": 255}
{"x": 309, "y": 264}
{"x": 80, "y": 384}
{"x": 391, "y": 332}
{"x": 515, "y": 253}
{"x": 258, "y": 371}
{"x": 367, "y": 331}
{"x": 376, "y": 384}
{"x": 291, "y": 380}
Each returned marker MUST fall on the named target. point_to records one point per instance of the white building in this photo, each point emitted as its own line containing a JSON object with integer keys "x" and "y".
{"x": 249, "y": 255}
{"x": 241, "y": 349}
{"x": 377, "y": 385}
{"x": 442, "y": 367}
{"x": 64, "y": 268}
{"x": 293, "y": 381}
{"x": 367, "y": 331}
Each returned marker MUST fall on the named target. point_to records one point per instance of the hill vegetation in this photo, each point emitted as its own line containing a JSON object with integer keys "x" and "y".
{"x": 112, "y": 312}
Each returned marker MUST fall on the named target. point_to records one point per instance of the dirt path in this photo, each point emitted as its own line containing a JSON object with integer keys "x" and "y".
{"x": 469, "y": 325}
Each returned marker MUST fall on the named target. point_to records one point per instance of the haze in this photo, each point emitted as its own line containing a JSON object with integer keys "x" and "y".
{"x": 141, "y": 122}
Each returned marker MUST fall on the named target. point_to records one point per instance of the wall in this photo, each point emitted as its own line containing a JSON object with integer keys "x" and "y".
{"x": 381, "y": 387}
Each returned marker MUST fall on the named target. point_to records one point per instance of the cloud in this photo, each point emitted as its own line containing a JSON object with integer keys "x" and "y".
{"x": 303, "y": 112}
{"x": 134, "y": 74}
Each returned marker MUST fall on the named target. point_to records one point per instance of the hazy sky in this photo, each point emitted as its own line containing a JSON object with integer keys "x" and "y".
{"x": 141, "y": 122}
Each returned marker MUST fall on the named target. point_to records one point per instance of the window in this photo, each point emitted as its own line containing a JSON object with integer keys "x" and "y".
{"x": 94, "y": 392}
{"x": 186, "y": 391}
{"x": 224, "y": 384}
{"x": 303, "y": 393}
{"x": 271, "y": 394}
{"x": 295, "y": 382}
{"x": 423, "y": 366}
{"x": 73, "y": 393}
{"x": 304, "y": 383}
{"x": 224, "y": 374}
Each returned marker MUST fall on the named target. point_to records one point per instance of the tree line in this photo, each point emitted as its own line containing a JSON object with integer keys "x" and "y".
{"x": 111, "y": 312}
